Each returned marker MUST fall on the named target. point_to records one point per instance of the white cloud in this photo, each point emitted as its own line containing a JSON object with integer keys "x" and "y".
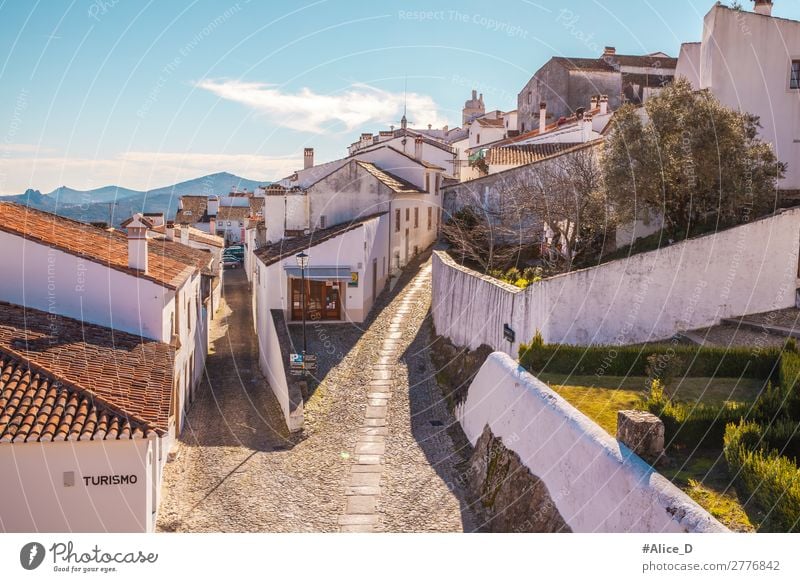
{"x": 23, "y": 148}
{"x": 314, "y": 112}
{"x": 135, "y": 170}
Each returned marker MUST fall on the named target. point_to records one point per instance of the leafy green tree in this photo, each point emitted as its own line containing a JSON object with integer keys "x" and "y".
{"x": 690, "y": 159}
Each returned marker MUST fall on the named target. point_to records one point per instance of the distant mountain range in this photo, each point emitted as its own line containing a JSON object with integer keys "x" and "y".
{"x": 117, "y": 204}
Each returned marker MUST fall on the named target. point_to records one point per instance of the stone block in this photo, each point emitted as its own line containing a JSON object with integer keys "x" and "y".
{"x": 641, "y": 432}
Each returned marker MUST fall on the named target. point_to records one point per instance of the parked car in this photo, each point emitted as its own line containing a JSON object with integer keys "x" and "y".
{"x": 234, "y": 251}
{"x": 231, "y": 262}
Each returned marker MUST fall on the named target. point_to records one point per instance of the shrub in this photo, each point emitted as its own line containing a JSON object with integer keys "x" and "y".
{"x": 689, "y": 424}
{"x": 789, "y": 378}
{"x": 632, "y": 360}
{"x": 772, "y": 480}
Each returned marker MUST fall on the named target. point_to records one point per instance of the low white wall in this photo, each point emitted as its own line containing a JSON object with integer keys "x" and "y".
{"x": 650, "y": 296}
{"x": 35, "y": 498}
{"x": 597, "y": 483}
{"x": 273, "y": 363}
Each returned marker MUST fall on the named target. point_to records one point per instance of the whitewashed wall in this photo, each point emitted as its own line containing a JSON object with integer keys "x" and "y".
{"x": 650, "y": 296}
{"x": 35, "y": 499}
{"x": 597, "y": 483}
{"x": 57, "y": 282}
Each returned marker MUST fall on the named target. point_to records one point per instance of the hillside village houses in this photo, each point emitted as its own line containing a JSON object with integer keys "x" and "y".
{"x": 103, "y": 340}
{"x": 223, "y": 216}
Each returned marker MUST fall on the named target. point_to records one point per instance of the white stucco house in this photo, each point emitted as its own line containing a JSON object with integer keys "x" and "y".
{"x": 377, "y": 180}
{"x": 86, "y": 424}
{"x": 223, "y": 216}
{"x": 751, "y": 61}
{"x": 133, "y": 282}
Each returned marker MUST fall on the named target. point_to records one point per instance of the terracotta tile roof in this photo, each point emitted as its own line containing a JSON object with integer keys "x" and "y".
{"x": 272, "y": 253}
{"x": 192, "y": 210}
{"x": 200, "y": 236}
{"x": 395, "y": 183}
{"x": 237, "y": 213}
{"x": 579, "y": 64}
{"x": 651, "y": 61}
{"x": 198, "y": 258}
{"x": 490, "y": 122}
{"x": 519, "y": 155}
{"x": 120, "y": 384}
{"x": 37, "y": 406}
{"x": 256, "y": 206}
{"x": 94, "y": 244}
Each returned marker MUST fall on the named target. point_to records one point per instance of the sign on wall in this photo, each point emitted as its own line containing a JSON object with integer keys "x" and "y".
{"x": 353, "y": 279}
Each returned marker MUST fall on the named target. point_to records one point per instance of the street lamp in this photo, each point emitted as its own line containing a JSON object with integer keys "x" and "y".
{"x": 302, "y": 262}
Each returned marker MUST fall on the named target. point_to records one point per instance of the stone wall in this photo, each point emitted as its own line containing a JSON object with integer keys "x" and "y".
{"x": 507, "y": 496}
{"x": 593, "y": 482}
{"x": 650, "y": 296}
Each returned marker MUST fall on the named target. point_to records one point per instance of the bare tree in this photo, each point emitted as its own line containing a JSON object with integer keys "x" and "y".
{"x": 481, "y": 236}
{"x": 566, "y": 194}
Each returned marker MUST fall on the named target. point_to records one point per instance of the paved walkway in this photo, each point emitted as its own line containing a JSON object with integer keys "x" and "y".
{"x": 375, "y": 455}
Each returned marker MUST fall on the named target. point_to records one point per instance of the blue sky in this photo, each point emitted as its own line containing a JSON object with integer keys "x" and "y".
{"x": 143, "y": 94}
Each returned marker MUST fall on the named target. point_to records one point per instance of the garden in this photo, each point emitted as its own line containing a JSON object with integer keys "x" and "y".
{"x": 731, "y": 417}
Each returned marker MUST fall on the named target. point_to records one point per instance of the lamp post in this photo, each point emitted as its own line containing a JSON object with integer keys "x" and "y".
{"x": 302, "y": 262}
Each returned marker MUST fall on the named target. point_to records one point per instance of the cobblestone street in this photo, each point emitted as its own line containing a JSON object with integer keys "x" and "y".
{"x": 238, "y": 469}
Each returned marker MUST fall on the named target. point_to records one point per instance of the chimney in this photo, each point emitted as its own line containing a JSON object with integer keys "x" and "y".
{"x": 593, "y": 102}
{"x": 213, "y": 205}
{"x": 474, "y": 95}
{"x": 136, "y": 227}
{"x": 763, "y": 7}
{"x": 603, "y": 104}
{"x": 586, "y": 128}
{"x": 418, "y": 147}
{"x": 609, "y": 51}
{"x": 169, "y": 230}
{"x": 185, "y": 233}
{"x": 579, "y": 113}
{"x": 542, "y": 116}
{"x": 308, "y": 158}
{"x": 212, "y": 227}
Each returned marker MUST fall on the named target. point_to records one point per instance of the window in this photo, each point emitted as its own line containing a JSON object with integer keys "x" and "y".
{"x": 430, "y": 217}
{"x": 427, "y": 182}
{"x": 229, "y": 223}
{"x": 408, "y": 214}
{"x": 322, "y": 221}
{"x": 794, "y": 78}
{"x": 187, "y": 212}
{"x": 438, "y": 184}
{"x": 397, "y": 220}
{"x": 416, "y": 217}
{"x": 477, "y": 138}
{"x": 530, "y": 97}
{"x": 522, "y": 128}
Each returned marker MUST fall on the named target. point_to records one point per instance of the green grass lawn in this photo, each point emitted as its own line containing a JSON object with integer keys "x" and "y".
{"x": 600, "y": 397}
{"x": 702, "y": 475}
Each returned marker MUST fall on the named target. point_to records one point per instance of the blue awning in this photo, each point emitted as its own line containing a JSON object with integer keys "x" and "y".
{"x": 321, "y": 273}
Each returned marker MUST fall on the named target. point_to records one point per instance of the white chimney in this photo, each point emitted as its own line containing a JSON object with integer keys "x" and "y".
{"x": 542, "y": 116}
{"x": 212, "y": 227}
{"x": 418, "y": 141}
{"x": 763, "y": 7}
{"x": 213, "y": 205}
{"x": 593, "y": 102}
{"x": 169, "y": 230}
{"x": 603, "y": 104}
{"x": 308, "y": 158}
{"x": 586, "y": 127}
{"x": 136, "y": 227}
{"x": 185, "y": 233}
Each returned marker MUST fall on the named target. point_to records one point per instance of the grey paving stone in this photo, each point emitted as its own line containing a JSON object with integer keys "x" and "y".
{"x": 361, "y": 504}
